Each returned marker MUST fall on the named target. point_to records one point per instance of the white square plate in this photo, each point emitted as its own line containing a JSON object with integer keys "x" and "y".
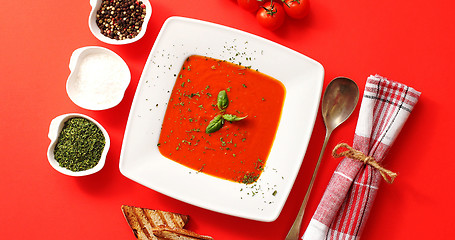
{"x": 140, "y": 158}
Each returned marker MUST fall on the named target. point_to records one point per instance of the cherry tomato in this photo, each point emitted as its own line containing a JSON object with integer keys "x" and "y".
{"x": 271, "y": 15}
{"x": 296, "y": 9}
{"x": 250, "y": 5}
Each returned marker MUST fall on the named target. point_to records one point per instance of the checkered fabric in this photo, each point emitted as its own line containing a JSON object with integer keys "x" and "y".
{"x": 349, "y": 197}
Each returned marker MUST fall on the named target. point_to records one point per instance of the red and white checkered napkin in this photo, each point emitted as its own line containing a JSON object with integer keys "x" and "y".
{"x": 346, "y": 203}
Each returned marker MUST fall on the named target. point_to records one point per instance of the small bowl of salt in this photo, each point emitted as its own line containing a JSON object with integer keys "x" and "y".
{"x": 98, "y": 79}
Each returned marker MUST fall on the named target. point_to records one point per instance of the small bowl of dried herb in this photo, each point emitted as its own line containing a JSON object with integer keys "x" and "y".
{"x": 119, "y": 21}
{"x": 79, "y": 145}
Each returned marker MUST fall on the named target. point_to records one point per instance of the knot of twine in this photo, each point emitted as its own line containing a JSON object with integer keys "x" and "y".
{"x": 352, "y": 153}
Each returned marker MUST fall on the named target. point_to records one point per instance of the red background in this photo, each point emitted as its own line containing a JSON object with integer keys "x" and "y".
{"x": 408, "y": 41}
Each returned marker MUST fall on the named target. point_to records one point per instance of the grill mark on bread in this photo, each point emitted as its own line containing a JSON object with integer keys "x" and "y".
{"x": 132, "y": 220}
{"x": 174, "y": 221}
{"x": 158, "y": 218}
{"x": 168, "y": 219}
{"x": 142, "y": 221}
{"x": 148, "y": 223}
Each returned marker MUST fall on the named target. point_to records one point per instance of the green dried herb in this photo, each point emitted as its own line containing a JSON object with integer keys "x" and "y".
{"x": 79, "y": 145}
{"x": 249, "y": 178}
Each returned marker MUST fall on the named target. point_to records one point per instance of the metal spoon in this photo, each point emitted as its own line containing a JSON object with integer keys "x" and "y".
{"x": 339, "y": 101}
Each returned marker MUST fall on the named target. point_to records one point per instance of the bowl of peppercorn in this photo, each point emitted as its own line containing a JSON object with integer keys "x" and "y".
{"x": 119, "y": 21}
{"x": 79, "y": 145}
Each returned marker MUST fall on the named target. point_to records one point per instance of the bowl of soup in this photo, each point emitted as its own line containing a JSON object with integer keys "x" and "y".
{"x": 219, "y": 122}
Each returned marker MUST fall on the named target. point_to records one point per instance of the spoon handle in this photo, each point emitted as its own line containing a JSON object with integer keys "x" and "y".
{"x": 293, "y": 233}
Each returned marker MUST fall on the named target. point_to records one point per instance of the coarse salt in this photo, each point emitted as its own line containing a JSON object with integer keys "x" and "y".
{"x": 100, "y": 80}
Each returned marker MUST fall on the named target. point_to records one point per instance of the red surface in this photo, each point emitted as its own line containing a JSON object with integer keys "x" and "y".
{"x": 407, "y": 42}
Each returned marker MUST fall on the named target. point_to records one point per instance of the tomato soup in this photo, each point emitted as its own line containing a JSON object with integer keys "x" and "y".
{"x": 247, "y": 122}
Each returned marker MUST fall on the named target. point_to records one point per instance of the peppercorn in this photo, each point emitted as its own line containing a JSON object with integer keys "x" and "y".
{"x": 118, "y": 19}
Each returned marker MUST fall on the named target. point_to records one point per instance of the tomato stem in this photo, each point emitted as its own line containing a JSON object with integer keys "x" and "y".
{"x": 272, "y": 9}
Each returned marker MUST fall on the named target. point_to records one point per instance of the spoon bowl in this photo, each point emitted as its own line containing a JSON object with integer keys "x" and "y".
{"x": 338, "y": 102}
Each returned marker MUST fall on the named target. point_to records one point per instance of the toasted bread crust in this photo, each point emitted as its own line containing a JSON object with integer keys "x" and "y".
{"x": 164, "y": 232}
{"x": 142, "y": 221}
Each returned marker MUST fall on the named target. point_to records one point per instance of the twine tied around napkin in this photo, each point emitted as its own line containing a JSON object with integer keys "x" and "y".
{"x": 351, "y": 153}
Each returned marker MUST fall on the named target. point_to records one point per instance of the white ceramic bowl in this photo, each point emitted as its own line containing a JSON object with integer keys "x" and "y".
{"x": 54, "y": 131}
{"x": 141, "y": 160}
{"x": 98, "y": 79}
{"x": 97, "y": 32}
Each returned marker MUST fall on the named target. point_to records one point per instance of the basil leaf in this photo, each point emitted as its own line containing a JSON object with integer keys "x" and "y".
{"x": 215, "y": 125}
{"x": 222, "y": 100}
{"x": 232, "y": 118}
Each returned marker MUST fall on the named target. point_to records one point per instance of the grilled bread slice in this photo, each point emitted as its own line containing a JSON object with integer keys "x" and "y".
{"x": 143, "y": 220}
{"x": 167, "y": 233}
